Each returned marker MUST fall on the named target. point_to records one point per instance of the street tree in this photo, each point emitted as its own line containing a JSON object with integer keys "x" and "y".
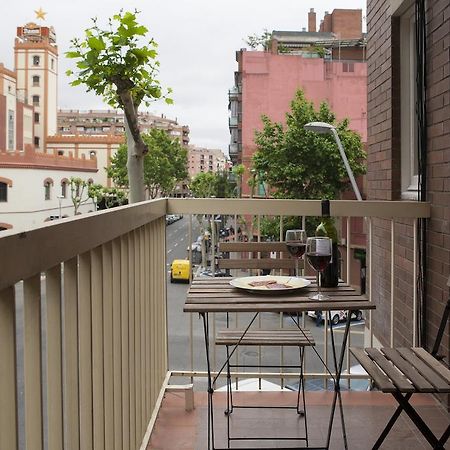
{"x": 165, "y": 164}
{"x": 113, "y": 63}
{"x": 299, "y": 164}
{"x": 81, "y": 192}
{"x": 296, "y": 163}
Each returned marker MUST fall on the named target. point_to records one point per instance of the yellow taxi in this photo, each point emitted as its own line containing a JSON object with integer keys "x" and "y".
{"x": 180, "y": 270}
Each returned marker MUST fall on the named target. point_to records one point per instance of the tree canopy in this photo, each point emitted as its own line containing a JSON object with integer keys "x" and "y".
{"x": 165, "y": 164}
{"x": 296, "y": 163}
{"x": 113, "y": 63}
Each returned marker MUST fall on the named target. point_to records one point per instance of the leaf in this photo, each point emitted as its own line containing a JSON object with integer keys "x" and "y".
{"x": 96, "y": 43}
{"x": 73, "y": 55}
{"x": 169, "y": 101}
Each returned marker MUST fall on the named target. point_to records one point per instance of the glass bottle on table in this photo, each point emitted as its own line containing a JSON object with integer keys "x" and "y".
{"x": 319, "y": 256}
{"x": 296, "y": 245}
{"x": 327, "y": 228}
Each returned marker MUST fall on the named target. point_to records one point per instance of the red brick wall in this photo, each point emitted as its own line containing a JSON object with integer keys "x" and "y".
{"x": 383, "y": 177}
{"x": 346, "y": 23}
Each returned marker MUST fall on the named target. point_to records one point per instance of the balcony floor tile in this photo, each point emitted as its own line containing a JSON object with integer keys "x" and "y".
{"x": 366, "y": 414}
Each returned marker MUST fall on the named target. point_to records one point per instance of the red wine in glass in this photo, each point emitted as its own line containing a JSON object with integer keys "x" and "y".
{"x": 296, "y": 245}
{"x": 296, "y": 249}
{"x": 319, "y": 261}
{"x": 319, "y": 255}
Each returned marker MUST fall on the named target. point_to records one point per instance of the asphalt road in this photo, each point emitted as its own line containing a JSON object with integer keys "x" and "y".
{"x": 183, "y": 355}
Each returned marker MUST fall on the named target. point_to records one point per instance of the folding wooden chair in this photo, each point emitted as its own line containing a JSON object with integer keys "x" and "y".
{"x": 256, "y": 255}
{"x": 404, "y": 371}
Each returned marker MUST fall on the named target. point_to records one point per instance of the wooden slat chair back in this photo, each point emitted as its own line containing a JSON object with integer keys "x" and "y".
{"x": 255, "y": 255}
{"x": 404, "y": 371}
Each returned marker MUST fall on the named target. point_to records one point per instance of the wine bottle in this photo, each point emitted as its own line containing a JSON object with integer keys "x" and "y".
{"x": 330, "y": 276}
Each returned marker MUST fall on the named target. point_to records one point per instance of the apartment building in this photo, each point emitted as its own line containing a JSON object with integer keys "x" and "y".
{"x": 329, "y": 65}
{"x": 100, "y": 122}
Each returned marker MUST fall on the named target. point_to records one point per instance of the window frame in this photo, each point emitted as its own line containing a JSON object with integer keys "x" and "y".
{"x": 408, "y": 120}
{"x": 36, "y": 60}
{"x": 3, "y": 192}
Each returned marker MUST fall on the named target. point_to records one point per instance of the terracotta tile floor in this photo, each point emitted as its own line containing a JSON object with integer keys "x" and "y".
{"x": 366, "y": 414}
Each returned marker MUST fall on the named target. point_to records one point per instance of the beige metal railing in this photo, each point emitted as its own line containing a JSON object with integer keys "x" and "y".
{"x": 94, "y": 316}
{"x": 100, "y": 279}
{"x": 385, "y": 214}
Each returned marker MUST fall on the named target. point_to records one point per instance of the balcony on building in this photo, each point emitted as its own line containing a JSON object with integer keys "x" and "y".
{"x": 95, "y": 370}
{"x": 233, "y": 121}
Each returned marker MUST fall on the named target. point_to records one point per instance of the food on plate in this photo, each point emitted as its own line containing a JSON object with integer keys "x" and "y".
{"x": 278, "y": 286}
{"x": 269, "y": 284}
{"x": 262, "y": 283}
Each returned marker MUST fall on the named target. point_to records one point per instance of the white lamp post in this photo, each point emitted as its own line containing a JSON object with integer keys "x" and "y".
{"x": 60, "y": 197}
{"x": 326, "y": 128}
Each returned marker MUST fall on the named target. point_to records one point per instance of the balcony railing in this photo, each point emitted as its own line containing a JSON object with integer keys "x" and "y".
{"x": 94, "y": 321}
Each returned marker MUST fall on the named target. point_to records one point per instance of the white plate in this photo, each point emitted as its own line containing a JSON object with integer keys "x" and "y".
{"x": 291, "y": 283}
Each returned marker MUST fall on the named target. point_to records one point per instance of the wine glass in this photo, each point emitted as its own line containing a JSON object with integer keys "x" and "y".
{"x": 296, "y": 245}
{"x": 319, "y": 254}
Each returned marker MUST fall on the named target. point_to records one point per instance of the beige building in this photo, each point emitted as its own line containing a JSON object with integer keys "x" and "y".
{"x": 101, "y": 122}
{"x": 202, "y": 159}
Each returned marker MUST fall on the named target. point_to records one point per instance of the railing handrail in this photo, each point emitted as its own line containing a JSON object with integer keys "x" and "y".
{"x": 26, "y": 253}
{"x": 283, "y": 207}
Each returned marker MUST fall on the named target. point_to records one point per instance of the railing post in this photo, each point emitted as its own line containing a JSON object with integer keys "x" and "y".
{"x": 32, "y": 363}
{"x": 8, "y": 375}
{"x": 54, "y": 363}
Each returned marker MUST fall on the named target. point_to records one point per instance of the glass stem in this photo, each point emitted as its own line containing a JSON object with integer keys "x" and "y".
{"x": 320, "y": 284}
{"x": 296, "y": 267}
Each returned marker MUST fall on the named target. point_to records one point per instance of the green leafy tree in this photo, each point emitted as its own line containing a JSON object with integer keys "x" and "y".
{"x": 79, "y": 193}
{"x": 238, "y": 171}
{"x": 165, "y": 164}
{"x": 204, "y": 185}
{"x": 296, "y": 163}
{"x": 114, "y": 64}
{"x": 257, "y": 41}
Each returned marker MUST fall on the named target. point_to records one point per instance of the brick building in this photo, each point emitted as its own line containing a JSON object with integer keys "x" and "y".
{"x": 409, "y": 158}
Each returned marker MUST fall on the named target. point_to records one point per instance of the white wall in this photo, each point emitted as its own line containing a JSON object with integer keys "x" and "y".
{"x": 26, "y": 205}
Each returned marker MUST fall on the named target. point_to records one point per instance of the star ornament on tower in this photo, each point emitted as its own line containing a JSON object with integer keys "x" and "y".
{"x": 40, "y": 14}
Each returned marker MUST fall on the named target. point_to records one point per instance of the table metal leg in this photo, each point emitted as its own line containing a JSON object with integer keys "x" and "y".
{"x": 337, "y": 387}
{"x": 210, "y": 388}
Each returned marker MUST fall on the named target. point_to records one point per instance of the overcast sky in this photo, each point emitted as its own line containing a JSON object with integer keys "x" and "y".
{"x": 197, "y": 43}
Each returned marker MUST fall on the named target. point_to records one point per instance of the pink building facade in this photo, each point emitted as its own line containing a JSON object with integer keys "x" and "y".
{"x": 266, "y": 84}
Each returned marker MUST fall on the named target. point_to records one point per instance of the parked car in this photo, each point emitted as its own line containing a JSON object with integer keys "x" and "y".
{"x": 180, "y": 270}
{"x": 336, "y": 316}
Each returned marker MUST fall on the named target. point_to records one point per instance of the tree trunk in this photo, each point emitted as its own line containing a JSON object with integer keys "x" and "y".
{"x": 135, "y": 166}
{"x": 136, "y": 148}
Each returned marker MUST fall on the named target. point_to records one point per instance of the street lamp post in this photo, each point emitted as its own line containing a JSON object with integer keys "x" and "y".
{"x": 60, "y": 197}
{"x": 326, "y": 128}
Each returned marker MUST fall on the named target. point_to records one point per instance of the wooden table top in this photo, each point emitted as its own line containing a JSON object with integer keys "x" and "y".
{"x": 217, "y": 295}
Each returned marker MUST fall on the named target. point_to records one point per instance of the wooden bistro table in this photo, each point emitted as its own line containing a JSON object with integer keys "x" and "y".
{"x": 211, "y": 295}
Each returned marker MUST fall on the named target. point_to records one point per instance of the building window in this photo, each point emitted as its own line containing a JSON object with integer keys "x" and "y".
{"x": 47, "y": 190}
{"x": 36, "y": 117}
{"x": 3, "y": 192}
{"x": 10, "y": 129}
{"x": 36, "y": 79}
{"x": 348, "y": 67}
{"x": 36, "y": 100}
{"x": 36, "y": 60}
{"x": 52, "y": 62}
{"x": 64, "y": 189}
{"x": 93, "y": 154}
{"x": 36, "y": 141}
{"x": 60, "y": 152}
{"x": 408, "y": 122}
